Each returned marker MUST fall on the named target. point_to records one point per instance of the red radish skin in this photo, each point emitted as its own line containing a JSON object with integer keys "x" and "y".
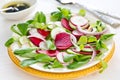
{"x": 35, "y": 40}
{"x": 76, "y": 33}
{"x": 78, "y": 21}
{"x": 65, "y": 24}
{"x": 43, "y": 32}
{"x": 63, "y": 41}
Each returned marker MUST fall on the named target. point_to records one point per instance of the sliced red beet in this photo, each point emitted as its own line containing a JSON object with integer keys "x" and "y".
{"x": 63, "y": 41}
{"x": 65, "y": 24}
{"x": 43, "y": 32}
{"x": 35, "y": 40}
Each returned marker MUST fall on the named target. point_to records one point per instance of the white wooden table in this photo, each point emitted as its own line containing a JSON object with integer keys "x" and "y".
{"x": 8, "y": 71}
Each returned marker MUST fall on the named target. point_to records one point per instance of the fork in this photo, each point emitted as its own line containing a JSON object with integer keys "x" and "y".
{"x": 104, "y": 16}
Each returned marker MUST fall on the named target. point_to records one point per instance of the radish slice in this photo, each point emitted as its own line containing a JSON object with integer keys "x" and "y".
{"x": 32, "y": 31}
{"x": 77, "y": 33}
{"x": 36, "y": 41}
{"x": 43, "y": 45}
{"x": 44, "y": 33}
{"x": 60, "y": 57}
{"x": 78, "y": 21}
{"x": 56, "y": 31}
{"x": 65, "y": 24}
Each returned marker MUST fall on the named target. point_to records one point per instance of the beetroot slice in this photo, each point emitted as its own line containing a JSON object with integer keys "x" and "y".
{"x": 43, "y": 32}
{"x": 89, "y": 53}
{"x": 35, "y": 41}
{"x": 65, "y": 24}
{"x": 63, "y": 41}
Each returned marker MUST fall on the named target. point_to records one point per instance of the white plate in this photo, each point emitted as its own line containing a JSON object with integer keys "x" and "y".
{"x": 39, "y": 66}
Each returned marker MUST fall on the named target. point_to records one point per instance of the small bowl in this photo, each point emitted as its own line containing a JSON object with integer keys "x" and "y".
{"x": 20, "y": 14}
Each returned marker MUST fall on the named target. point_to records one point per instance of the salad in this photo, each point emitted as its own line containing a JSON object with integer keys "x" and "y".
{"x": 64, "y": 40}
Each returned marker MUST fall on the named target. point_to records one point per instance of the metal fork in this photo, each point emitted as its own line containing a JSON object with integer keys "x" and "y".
{"x": 104, "y": 16}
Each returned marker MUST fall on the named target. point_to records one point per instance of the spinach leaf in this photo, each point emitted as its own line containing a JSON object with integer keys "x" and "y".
{"x": 57, "y": 64}
{"x": 27, "y": 62}
{"x": 101, "y": 45}
{"x": 9, "y": 42}
{"x": 82, "y": 57}
{"x": 75, "y": 65}
{"x": 23, "y": 28}
{"x": 43, "y": 58}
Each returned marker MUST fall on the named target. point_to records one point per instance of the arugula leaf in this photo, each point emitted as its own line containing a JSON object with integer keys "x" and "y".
{"x": 92, "y": 39}
{"x": 57, "y": 64}
{"x": 82, "y": 12}
{"x": 23, "y": 51}
{"x": 69, "y": 57}
{"x": 23, "y": 28}
{"x": 43, "y": 58}
{"x": 9, "y": 42}
{"x": 40, "y": 17}
{"x": 106, "y": 37}
{"x": 56, "y": 16}
{"x": 50, "y": 45}
{"x": 27, "y": 62}
{"x": 75, "y": 65}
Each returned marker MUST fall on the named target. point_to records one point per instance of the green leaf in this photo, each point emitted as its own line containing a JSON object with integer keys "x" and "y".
{"x": 104, "y": 66}
{"x": 75, "y": 65}
{"x": 23, "y": 28}
{"x": 27, "y": 62}
{"x": 81, "y": 46}
{"x": 82, "y": 40}
{"x": 106, "y": 37}
{"x": 9, "y": 42}
{"x": 101, "y": 45}
{"x": 56, "y": 16}
{"x": 15, "y": 30}
{"x": 23, "y": 51}
{"x": 40, "y": 25}
{"x": 43, "y": 58}
{"x": 92, "y": 39}
{"x": 47, "y": 66}
{"x": 50, "y": 45}
{"x": 82, "y": 12}
{"x": 40, "y": 17}
{"x": 29, "y": 55}
{"x": 57, "y": 64}
{"x": 82, "y": 57}
{"x": 69, "y": 57}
